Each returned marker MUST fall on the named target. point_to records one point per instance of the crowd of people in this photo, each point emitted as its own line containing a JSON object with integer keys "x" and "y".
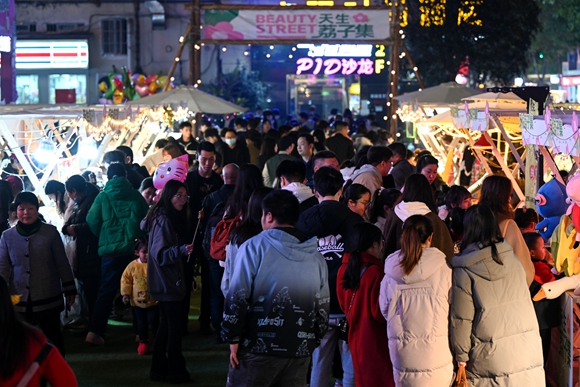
{"x": 324, "y": 251}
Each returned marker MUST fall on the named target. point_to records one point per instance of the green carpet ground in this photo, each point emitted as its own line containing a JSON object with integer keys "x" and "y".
{"x": 117, "y": 364}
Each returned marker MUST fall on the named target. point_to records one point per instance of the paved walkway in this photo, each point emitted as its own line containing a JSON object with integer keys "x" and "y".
{"x": 117, "y": 364}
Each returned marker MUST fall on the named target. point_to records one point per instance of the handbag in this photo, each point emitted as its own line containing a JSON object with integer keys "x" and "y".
{"x": 461, "y": 378}
{"x": 343, "y": 322}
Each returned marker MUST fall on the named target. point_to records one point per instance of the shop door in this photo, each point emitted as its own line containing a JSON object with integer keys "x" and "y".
{"x": 325, "y": 93}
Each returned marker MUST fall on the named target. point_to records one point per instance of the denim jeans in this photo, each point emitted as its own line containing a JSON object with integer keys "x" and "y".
{"x": 217, "y": 298}
{"x": 88, "y": 289}
{"x": 323, "y": 356}
{"x": 111, "y": 272}
{"x": 167, "y": 357}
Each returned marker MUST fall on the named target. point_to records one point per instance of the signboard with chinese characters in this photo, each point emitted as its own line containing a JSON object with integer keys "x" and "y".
{"x": 329, "y": 59}
{"x": 240, "y": 25}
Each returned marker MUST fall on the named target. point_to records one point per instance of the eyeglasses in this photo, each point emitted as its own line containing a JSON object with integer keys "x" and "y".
{"x": 181, "y": 197}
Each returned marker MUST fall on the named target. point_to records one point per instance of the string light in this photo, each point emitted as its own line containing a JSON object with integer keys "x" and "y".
{"x": 246, "y": 53}
{"x": 290, "y": 56}
{"x": 181, "y": 39}
{"x": 176, "y": 59}
{"x": 271, "y": 47}
{"x": 293, "y": 48}
{"x": 268, "y": 55}
{"x": 224, "y": 49}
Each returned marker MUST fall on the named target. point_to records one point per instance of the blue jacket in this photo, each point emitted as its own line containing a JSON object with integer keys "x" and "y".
{"x": 278, "y": 300}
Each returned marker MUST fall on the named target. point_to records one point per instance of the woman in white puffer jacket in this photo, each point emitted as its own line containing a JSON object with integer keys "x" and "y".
{"x": 414, "y": 298}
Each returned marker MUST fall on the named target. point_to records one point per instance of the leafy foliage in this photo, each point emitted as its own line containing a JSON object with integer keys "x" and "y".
{"x": 497, "y": 48}
{"x": 241, "y": 87}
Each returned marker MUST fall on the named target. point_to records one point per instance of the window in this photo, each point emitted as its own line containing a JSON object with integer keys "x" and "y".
{"x": 27, "y": 88}
{"x": 114, "y": 36}
{"x": 64, "y": 27}
{"x": 67, "y": 82}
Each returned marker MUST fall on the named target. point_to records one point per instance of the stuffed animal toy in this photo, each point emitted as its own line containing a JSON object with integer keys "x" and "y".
{"x": 553, "y": 289}
{"x": 573, "y": 192}
{"x": 174, "y": 169}
{"x": 551, "y": 205}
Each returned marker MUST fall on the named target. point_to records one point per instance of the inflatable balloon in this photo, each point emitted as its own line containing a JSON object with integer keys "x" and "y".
{"x": 118, "y": 97}
{"x": 174, "y": 169}
{"x": 142, "y": 90}
{"x": 103, "y": 87}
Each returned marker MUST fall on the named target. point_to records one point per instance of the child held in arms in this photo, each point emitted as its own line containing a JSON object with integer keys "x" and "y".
{"x": 134, "y": 290}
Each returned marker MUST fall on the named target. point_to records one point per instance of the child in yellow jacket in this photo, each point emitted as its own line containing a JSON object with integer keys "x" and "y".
{"x": 134, "y": 290}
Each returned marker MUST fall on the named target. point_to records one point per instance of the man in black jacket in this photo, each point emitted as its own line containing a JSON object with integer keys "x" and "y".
{"x": 118, "y": 157}
{"x": 341, "y": 144}
{"x": 200, "y": 182}
{"x": 402, "y": 168}
{"x": 187, "y": 141}
{"x": 332, "y": 223}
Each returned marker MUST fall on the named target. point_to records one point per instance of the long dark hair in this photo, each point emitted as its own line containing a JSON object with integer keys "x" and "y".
{"x": 480, "y": 228}
{"x": 389, "y": 197}
{"x": 252, "y": 218}
{"x": 354, "y": 192}
{"x": 416, "y": 230}
{"x": 14, "y": 336}
{"x": 54, "y": 187}
{"x": 178, "y": 219}
{"x": 417, "y": 189}
{"x": 424, "y": 161}
{"x": 496, "y": 192}
{"x": 363, "y": 237}
{"x": 268, "y": 148}
{"x": 249, "y": 179}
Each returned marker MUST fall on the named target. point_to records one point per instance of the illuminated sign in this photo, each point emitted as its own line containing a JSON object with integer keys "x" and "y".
{"x": 343, "y": 66}
{"x": 338, "y": 50}
{"x": 570, "y": 81}
{"x": 5, "y": 44}
{"x": 52, "y": 54}
{"x": 332, "y": 66}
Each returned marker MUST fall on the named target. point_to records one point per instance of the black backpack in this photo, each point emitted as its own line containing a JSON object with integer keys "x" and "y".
{"x": 216, "y": 215}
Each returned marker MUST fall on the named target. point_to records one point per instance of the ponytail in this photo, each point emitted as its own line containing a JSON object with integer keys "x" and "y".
{"x": 417, "y": 229}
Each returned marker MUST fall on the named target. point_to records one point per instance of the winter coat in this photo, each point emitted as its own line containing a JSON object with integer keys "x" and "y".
{"x": 87, "y": 254}
{"x": 239, "y": 154}
{"x": 269, "y": 171}
{"x": 114, "y": 217}
{"x": 342, "y": 146}
{"x": 332, "y": 223}
{"x": 165, "y": 273}
{"x": 367, "y": 337}
{"x": 369, "y": 176}
{"x": 416, "y": 307}
{"x": 394, "y": 228}
{"x": 493, "y": 325}
{"x": 277, "y": 302}
{"x": 512, "y": 234}
{"x": 401, "y": 172}
{"x": 36, "y": 268}
{"x": 134, "y": 285}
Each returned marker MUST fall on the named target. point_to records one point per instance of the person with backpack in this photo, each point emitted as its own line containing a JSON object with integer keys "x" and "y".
{"x": 249, "y": 179}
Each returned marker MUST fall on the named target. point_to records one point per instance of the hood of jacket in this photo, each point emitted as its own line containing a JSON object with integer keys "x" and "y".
{"x": 118, "y": 188}
{"x": 479, "y": 261}
{"x": 367, "y": 168}
{"x": 431, "y": 261}
{"x": 407, "y": 209}
{"x": 326, "y": 217}
{"x": 299, "y": 190}
{"x": 289, "y": 246}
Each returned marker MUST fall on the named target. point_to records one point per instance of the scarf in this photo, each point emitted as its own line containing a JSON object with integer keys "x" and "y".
{"x": 28, "y": 229}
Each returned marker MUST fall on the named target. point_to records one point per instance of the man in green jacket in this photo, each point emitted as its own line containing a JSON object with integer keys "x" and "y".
{"x": 114, "y": 218}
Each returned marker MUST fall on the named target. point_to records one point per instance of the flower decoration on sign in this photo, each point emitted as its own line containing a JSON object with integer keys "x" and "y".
{"x": 222, "y": 31}
{"x": 360, "y": 18}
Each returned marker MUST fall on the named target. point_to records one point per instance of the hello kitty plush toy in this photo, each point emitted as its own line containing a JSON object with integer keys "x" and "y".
{"x": 174, "y": 169}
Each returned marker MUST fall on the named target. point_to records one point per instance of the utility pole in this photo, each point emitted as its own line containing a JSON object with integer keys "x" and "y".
{"x": 394, "y": 76}
{"x": 194, "y": 48}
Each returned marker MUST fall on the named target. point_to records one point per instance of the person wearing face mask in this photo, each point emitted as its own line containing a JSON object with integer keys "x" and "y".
{"x": 87, "y": 263}
{"x": 236, "y": 151}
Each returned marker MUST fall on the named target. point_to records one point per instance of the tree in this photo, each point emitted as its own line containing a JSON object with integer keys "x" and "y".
{"x": 560, "y": 33}
{"x": 240, "y": 87}
{"x": 494, "y": 34}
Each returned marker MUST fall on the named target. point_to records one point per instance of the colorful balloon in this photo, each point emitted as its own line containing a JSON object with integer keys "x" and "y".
{"x": 174, "y": 169}
{"x": 142, "y": 90}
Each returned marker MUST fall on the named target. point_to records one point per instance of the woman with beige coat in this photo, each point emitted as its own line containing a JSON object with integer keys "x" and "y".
{"x": 415, "y": 300}
{"x": 493, "y": 330}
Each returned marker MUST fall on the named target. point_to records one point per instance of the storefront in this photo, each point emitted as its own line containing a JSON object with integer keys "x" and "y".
{"x": 52, "y": 71}
{"x": 325, "y": 77}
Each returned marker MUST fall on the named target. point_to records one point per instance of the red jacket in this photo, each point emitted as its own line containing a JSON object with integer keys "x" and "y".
{"x": 367, "y": 335}
{"x": 54, "y": 368}
{"x": 543, "y": 273}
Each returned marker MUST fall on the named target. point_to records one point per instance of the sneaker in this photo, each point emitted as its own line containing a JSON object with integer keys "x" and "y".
{"x": 143, "y": 349}
{"x": 94, "y": 339}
